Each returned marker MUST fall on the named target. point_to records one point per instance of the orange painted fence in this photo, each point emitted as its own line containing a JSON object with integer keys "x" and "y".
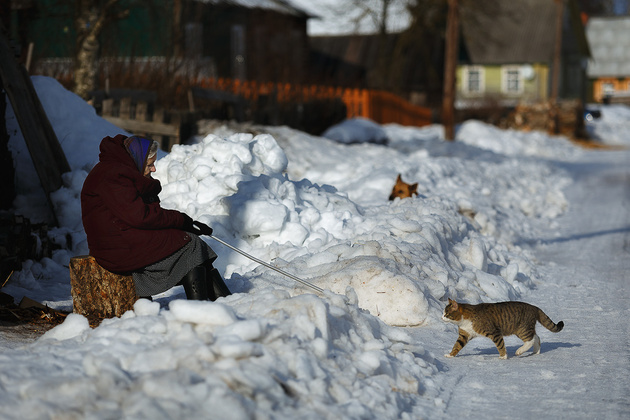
{"x": 380, "y": 106}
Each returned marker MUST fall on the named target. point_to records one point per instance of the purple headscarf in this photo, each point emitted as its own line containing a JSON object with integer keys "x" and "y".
{"x": 138, "y": 148}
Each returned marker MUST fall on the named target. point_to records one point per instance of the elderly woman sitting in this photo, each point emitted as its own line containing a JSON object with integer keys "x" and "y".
{"x": 129, "y": 232}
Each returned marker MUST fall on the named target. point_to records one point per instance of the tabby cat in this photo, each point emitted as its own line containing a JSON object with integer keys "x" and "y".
{"x": 498, "y": 320}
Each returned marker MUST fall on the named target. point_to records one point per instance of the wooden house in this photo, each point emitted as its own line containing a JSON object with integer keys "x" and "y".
{"x": 609, "y": 68}
{"x": 264, "y": 40}
{"x": 507, "y": 53}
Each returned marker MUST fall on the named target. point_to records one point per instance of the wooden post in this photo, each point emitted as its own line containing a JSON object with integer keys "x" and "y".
{"x": 557, "y": 53}
{"x": 450, "y": 67}
{"x": 557, "y": 60}
{"x": 98, "y": 293}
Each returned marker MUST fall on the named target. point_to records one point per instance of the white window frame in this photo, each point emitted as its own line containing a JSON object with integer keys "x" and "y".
{"x": 507, "y": 73}
{"x": 466, "y": 84}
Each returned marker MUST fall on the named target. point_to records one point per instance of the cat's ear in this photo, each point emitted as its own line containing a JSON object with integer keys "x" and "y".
{"x": 452, "y": 302}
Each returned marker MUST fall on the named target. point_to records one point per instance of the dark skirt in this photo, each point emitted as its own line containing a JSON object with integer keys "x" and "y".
{"x": 164, "y": 274}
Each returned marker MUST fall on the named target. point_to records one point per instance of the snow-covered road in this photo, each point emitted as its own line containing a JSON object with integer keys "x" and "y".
{"x": 583, "y": 371}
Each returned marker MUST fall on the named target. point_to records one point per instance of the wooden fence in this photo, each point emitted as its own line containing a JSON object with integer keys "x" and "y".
{"x": 308, "y": 107}
{"x": 135, "y": 112}
{"x": 380, "y": 106}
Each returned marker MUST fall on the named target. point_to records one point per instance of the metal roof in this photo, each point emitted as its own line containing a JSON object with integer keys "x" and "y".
{"x": 280, "y": 6}
{"x": 609, "y": 39}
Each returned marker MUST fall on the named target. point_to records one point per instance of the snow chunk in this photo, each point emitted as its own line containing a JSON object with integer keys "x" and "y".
{"x": 73, "y": 326}
{"x": 202, "y": 312}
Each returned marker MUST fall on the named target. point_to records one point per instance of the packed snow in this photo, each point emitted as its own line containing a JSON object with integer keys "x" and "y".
{"x": 313, "y": 207}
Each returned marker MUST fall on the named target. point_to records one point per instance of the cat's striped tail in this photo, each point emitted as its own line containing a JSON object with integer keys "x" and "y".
{"x": 546, "y": 322}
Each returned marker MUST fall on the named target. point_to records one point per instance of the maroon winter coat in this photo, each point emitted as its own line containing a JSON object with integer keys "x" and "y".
{"x": 125, "y": 226}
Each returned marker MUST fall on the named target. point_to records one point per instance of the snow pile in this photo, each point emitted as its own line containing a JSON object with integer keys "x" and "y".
{"x": 400, "y": 258}
{"x": 516, "y": 143}
{"x": 612, "y": 127}
{"x": 264, "y": 355}
{"x": 356, "y": 130}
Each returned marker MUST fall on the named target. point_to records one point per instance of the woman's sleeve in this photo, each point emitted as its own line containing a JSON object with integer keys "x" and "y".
{"x": 125, "y": 202}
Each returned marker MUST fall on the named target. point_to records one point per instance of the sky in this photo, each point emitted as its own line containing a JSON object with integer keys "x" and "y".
{"x": 333, "y": 17}
{"x": 500, "y": 215}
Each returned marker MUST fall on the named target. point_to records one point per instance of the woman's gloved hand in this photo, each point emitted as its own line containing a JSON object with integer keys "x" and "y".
{"x": 202, "y": 229}
{"x": 195, "y": 227}
{"x": 188, "y": 224}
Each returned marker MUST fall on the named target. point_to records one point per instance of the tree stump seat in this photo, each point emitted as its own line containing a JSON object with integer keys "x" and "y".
{"x": 98, "y": 293}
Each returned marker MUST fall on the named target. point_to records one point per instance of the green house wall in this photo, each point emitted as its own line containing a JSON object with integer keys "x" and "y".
{"x": 534, "y": 89}
{"x": 144, "y": 32}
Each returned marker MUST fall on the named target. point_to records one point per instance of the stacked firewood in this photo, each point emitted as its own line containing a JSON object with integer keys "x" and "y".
{"x": 563, "y": 118}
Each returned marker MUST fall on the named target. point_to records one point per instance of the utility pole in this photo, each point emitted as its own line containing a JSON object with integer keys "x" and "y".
{"x": 450, "y": 66}
{"x": 555, "y": 78}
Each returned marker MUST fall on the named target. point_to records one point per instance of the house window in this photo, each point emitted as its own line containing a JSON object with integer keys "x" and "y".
{"x": 512, "y": 80}
{"x": 608, "y": 87}
{"x": 473, "y": 80}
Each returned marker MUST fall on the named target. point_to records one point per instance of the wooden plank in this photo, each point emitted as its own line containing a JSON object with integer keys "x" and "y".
{"x": 134, "y": 126}
{"x": 108, "y": 107}
{"x": 158, "y": 115}
{"x": 125, "y": 108}
{"x": 142, "y": 111}
{"x": 46, "y": 152}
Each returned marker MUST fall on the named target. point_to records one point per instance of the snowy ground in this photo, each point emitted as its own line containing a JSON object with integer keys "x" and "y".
{"x": 583, "y": 371}
{"x": 500, "y": 215}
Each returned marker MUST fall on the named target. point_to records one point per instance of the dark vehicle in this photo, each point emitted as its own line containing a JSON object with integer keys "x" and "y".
{"x": 592, "y": 114}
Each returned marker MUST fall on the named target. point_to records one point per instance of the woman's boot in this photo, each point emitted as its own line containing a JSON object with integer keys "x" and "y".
{"x": 195, "y": 284}
{"x": 216, "y": 284}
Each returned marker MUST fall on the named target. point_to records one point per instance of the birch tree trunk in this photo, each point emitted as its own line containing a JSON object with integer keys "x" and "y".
{"x": 90, "y": 20}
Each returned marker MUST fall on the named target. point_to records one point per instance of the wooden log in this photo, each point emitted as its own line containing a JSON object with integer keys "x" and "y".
{"x": 98, "y": 293}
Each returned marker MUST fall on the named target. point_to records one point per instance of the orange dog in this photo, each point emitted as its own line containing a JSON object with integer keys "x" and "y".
{"x": 403, "y": 190}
